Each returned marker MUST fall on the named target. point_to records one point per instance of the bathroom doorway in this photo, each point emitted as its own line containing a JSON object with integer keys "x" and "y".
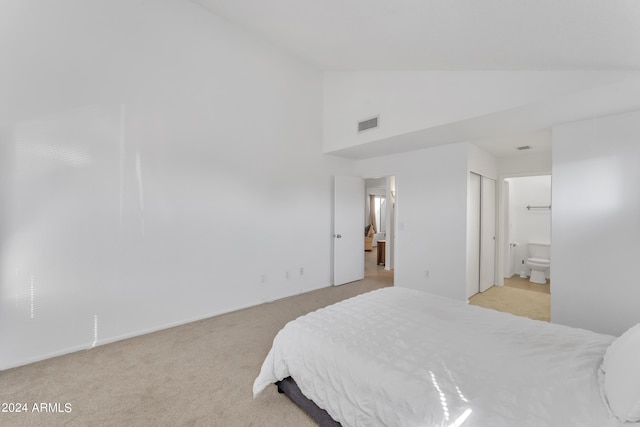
{"x": 517, "y": 227}
{"x": 527, "y": 212}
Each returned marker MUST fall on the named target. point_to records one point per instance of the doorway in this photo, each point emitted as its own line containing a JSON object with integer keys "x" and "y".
{"x": 527, "y": 212}
{"x": 525, "y": 218}
{"x": 353, "y": 233}
{"x": 379, "y": 250}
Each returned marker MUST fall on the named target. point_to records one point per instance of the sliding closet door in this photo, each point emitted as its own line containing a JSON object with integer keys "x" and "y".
{"x": 481, "y": 233}
{"x": 487, "y": 233}
{"x": 473, "y": 235}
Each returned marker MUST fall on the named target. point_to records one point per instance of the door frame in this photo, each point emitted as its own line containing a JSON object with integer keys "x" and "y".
{"x": 503, "y": 203}
{"x": 488, "y": 231}
{"x": 391, "y": 251}
{"x": 390, "y": 218}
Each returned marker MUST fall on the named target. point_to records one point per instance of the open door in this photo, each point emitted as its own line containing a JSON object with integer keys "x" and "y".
{"x": 348, "y": 229}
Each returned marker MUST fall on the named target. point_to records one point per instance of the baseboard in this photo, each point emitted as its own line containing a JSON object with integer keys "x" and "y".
{"x": 46, "y": 356}
{"x": 90, "y": 345}
{"x": 134, "y": 334}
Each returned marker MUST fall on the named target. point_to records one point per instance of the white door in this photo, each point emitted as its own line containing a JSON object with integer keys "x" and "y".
{"x": 348, "y": 229}
{"x": 487, "y": 233}
{"x": 473, "y": 235}
{"x": 508, "y": 269}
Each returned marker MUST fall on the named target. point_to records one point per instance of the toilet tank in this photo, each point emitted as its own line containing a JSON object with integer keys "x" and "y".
{"x": 539, "y": 250}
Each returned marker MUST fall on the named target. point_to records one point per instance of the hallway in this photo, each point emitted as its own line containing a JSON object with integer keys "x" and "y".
{"x": 376, "y": 272}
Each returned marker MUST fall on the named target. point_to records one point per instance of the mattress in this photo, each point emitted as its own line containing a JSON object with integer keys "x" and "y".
{"x": 400, "y": 357}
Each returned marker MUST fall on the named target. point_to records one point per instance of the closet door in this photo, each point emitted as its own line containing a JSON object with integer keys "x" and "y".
{"x": 487, "y": 233}
{"x": 473, "y": 235}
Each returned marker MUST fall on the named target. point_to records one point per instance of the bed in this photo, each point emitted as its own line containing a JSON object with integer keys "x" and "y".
{"x": 400, "y": 357}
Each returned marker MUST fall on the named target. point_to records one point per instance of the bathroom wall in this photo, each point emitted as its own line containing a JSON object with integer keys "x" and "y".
{"x": 528, "y": 226}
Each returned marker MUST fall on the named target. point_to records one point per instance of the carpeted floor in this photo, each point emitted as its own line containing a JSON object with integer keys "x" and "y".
{"x": 198, "y": 374}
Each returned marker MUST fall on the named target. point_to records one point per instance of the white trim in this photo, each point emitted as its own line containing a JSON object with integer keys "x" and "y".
{"x": 93, "y": 344}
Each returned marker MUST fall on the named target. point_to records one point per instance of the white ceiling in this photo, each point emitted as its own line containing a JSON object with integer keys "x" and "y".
{"x": 449, "y": 35}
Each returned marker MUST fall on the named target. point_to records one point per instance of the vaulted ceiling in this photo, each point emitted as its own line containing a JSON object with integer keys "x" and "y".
{"x": 459, "y": 35}
{"x": 447, "y": 34}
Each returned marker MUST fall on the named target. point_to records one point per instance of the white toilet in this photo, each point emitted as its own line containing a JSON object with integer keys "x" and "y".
{"x": 538, "y": 261}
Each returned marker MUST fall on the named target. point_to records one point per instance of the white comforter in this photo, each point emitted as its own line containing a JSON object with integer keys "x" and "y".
{"x": 398, "y": 357}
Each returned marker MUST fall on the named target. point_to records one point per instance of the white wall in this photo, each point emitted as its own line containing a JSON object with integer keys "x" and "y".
{"x": 431, "y": 197}
{"x": 431, "y": 213}
{"x": 528, "y": 225}
{"x": 595, "y": 223}
{"x": 525, "y": 165}
{"x": 481, "y": 162}
{"x": 390, "y": 235}
{"x": 409, "y": 101}
{"x": 157, "y": 163}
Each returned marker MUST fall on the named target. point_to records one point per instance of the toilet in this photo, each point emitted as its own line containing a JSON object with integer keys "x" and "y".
{"x": 538, "y": 261}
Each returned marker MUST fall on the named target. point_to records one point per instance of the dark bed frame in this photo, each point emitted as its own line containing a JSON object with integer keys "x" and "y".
{"x": 289, "y": 387}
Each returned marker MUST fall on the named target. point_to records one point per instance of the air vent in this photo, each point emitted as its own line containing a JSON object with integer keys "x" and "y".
{"x": 368, "y": 124}
{"x": 524, "y": 147}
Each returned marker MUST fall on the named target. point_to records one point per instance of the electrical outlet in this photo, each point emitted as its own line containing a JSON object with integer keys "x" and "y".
{"x": 263, "y": 278}
{"x": 426, "y": 273}
{"x": 301, "y": 271}
{"x": 287, "y": 275}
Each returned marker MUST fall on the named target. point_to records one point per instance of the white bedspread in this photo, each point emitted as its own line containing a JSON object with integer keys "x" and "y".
{"x": 398, "y": 357}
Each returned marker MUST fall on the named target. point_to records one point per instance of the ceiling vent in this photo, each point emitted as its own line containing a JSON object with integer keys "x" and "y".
{"x": 368, "y": 124}
{"x": 523, "y": 147}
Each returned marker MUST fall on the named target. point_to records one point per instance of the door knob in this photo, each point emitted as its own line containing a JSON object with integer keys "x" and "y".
{"x": 338, "y": 236}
